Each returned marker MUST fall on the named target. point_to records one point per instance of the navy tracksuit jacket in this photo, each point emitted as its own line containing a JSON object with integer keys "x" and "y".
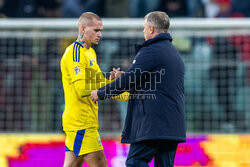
{"x": 155, "y": 80}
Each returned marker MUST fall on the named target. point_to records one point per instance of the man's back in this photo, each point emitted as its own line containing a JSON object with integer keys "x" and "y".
{"x": 160, "y": 115}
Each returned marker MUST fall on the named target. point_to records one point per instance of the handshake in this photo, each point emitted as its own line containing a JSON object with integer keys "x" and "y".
{"x": 116, "y": 73}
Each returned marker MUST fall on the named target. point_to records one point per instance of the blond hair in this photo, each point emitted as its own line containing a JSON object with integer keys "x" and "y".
{"x": 86, "y": 17}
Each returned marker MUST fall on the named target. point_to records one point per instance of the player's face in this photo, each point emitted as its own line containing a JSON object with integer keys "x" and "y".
{"x": 93, "y": 32}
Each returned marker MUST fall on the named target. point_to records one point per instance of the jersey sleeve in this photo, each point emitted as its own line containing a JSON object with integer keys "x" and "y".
{"x": 77, "y": 64}
{"x": 76, "y": 67}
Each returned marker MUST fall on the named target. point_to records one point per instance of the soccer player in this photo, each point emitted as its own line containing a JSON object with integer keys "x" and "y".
{"x": 80, "y": 75}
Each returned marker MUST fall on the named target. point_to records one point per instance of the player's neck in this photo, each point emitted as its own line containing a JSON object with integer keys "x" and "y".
{"x": 86, "y": 45}
{"x": 80, "y": 39}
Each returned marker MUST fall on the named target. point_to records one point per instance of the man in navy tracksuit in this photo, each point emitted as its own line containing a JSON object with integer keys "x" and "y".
{"x": 155, "y": 121}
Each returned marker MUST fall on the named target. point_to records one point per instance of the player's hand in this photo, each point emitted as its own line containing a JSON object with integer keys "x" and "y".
{"x": 94, "y": 96}
{"x": 115, "y": 73}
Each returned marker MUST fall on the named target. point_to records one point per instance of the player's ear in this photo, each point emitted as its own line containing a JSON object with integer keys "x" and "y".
{"x": 151, "y": 29}
{"x": 82, "y": 29}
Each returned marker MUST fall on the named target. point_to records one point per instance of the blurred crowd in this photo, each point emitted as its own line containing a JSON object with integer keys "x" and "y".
{"x": 124, "y": 8}
{"x": 31, "y": 96}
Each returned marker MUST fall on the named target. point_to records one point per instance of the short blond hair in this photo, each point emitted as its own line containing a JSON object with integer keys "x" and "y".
{"x": 86, "y": 17}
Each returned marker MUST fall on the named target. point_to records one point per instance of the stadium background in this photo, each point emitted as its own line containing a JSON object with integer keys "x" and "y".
{"x": 216, "y": 52}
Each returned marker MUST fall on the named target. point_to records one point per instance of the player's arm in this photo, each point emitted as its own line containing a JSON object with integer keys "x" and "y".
{"x": 92, "y": 81}
{"x": 82, "y": 77}
{"x": 116, "y": 73}
{"x": 143, "y": 62}
{"x": 89, "y": 80}
{"x": 102, "y": 79}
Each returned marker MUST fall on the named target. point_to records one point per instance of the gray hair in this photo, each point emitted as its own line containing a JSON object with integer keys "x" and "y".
{"x": 86, "y": 17}
{"x": 159, "y": 20}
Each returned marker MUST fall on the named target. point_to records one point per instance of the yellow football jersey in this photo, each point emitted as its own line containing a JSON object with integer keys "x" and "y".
{"x": 80, "y": 75}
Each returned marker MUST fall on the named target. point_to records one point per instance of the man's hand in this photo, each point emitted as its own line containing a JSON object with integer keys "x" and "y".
{"x": 115, "y": 73}
{"x": 94, "y": 96}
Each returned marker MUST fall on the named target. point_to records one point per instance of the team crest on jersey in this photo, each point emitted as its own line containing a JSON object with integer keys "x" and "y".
{"x": 77, "y": 70}
{"x": 91, "y": 62}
